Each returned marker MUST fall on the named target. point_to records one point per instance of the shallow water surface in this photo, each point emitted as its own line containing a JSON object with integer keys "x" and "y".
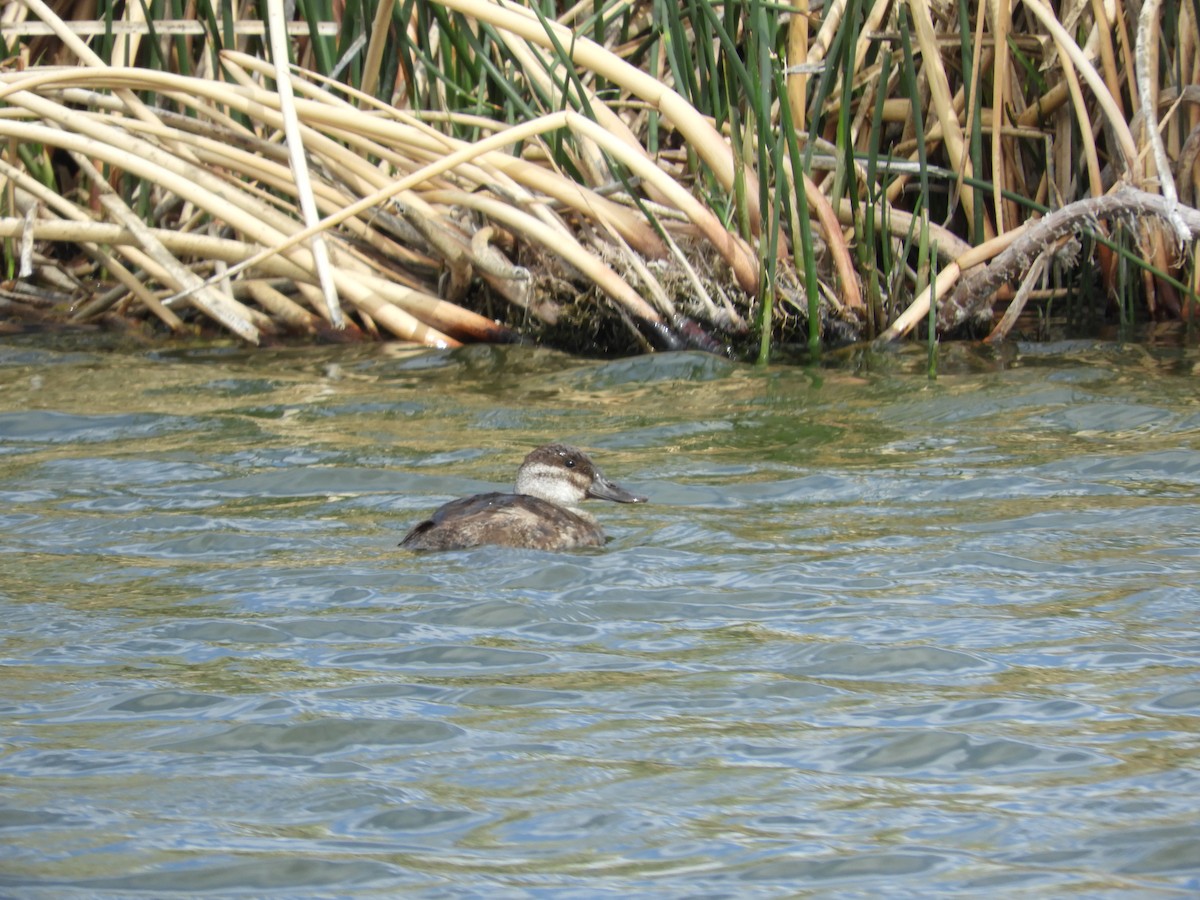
{"x": 873, "y": 635}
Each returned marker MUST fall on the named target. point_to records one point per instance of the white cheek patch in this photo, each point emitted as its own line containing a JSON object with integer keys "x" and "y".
{"x": 550, "y": 483}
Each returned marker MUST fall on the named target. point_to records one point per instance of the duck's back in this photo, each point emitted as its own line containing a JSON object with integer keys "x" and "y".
{"x": 505, "y": 520}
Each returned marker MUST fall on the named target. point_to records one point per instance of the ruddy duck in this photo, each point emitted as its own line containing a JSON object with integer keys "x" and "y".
{"x": 543, "y": 514}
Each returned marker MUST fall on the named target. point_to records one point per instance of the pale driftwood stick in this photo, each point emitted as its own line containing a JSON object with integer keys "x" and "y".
{"x": 972, "y": 297}
{"x": 1032, "y": 277}
{"x": 1144, "y": 57}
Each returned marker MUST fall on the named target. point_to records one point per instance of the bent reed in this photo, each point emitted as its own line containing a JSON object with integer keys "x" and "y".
{"x": 736, "y": 177}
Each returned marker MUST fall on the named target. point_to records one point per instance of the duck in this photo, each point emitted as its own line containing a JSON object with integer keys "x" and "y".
{"x": 542, "y": 514}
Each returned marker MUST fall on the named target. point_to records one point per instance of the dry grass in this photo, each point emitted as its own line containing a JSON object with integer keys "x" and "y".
{"x": 617, "y": 179}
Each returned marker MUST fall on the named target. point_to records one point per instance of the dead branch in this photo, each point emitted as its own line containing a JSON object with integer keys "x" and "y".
{"x": 972, "y": 297}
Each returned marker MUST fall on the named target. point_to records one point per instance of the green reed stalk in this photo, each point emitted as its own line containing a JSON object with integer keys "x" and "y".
{"x": 932, "y": 344}
{"x": 108, "y": 39}
{"x": 874, "y": 234}
{"x": 846, "y": 179}
{"x": 974, "y": 92}
{"x": 738, "y": 83}
{"x": 314, "y": 11}
{"x": 1125, "y": 290}
{"x": 825, "y": 85}
{"x": 845, "y": 183}
{"x": 770, "y": 163}
{"x": 909, "y": 77}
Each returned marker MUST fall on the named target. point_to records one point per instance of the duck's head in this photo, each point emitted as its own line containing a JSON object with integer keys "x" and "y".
{"x": 566, "y": 476}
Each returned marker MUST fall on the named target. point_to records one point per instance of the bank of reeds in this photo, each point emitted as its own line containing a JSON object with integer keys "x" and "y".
{"x": 617, "y": 176}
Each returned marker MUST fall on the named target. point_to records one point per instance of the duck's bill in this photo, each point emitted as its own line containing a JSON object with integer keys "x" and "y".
{"x": 603, "y": 489}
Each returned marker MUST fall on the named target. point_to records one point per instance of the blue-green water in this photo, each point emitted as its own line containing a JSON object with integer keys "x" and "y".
{"x": 873, "y": 636}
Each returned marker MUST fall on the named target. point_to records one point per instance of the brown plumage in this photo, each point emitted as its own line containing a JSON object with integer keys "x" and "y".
{"x": 542, "y": 514}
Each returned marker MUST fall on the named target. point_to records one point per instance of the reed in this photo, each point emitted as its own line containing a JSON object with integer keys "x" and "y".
{"x": 605, "y": 177}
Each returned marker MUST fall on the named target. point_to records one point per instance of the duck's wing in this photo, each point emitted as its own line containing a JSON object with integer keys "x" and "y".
{"x": 506, "y": 520}
{"x": 435, "y": 534}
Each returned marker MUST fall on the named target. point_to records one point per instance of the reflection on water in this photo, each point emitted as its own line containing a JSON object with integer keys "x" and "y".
{"x": 872, "y": 634}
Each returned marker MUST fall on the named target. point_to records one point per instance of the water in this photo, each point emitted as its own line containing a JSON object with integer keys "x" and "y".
{"x": 872, "y": 636}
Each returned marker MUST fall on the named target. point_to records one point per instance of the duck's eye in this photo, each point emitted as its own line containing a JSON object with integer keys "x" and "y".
{"x": 569, "y": 462}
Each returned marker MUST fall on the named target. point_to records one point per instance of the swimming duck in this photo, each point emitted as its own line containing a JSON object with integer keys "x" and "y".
{"x": 543, "y": 514}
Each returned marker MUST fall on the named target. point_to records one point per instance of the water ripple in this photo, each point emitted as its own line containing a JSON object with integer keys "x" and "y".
{"x": 874, "y": 634}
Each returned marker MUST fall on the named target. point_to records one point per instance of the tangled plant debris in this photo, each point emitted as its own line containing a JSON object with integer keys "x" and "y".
{"x": 609, "y": 181}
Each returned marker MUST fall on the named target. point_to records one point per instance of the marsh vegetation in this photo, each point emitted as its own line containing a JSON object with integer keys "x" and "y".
{"x": 606, "y": 177}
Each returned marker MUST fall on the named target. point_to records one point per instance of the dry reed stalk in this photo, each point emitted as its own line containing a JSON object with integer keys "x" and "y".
{"x": 299, "y": 162}
{"x": 949, "y": 245}
{"x": 943, "y": 102}
{"x": 493, "y": 168}
{"x": 404, "y": 202}
{"x": 695, "y": 128}
{"x": 213, "y": 303}
{"x": 51, "y": 200}
{"x": 378, "y": 32}
{"x": 208, "y": 191}
{"x": 1112, "y": 110}
{"x": 1001, "y": 20}
{"x": 797, "y": 59}
{"x": 731, "y": 248}
{"x": 848, "y": 279}
{"x": 550, "y": 183}
{"x": 279, "y": 304}
{"x": 86, "y": 56}
{"x": 565, "y": 246}
{"x": 396, "y": 131}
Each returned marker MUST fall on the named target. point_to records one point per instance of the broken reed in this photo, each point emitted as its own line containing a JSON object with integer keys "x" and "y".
{"x": 843, "y": 146}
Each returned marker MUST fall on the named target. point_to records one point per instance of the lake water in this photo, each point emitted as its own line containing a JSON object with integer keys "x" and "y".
{"x": 873, "y": 636}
